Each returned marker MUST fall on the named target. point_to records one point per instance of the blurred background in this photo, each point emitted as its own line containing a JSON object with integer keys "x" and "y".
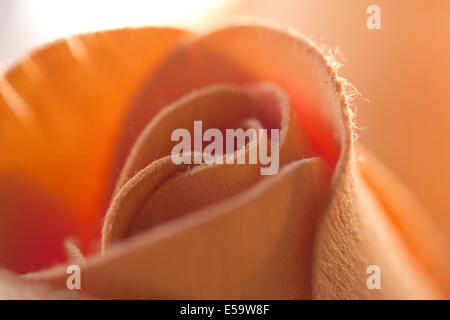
{"x": 403, "y": 69}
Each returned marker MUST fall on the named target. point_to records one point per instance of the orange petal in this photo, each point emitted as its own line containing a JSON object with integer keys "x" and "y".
{"x": 60, "y": 111}
{"x": 374, "y": 220}
{"x": 269, "y": 240}
{"x": 237, "y": 224}
{"x": 241, "y": 55}
{"x": 251, "y": 246}
{"x": 218, "y": 106}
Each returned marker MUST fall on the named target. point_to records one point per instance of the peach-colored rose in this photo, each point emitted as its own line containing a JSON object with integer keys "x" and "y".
{"x": 85, "y": 129}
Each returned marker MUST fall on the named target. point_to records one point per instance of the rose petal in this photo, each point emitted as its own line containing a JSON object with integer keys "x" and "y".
{"x": 255, "y": 245}
{"x": 373, "y": 220}
{"x": 182, "y": 189}
{"x": 262, "y": 243}
{"x": 241, "y": 55}
{"x": 60, "y": 110}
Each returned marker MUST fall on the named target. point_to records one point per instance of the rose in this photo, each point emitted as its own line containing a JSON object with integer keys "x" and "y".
{"x": 74, "y": 110}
